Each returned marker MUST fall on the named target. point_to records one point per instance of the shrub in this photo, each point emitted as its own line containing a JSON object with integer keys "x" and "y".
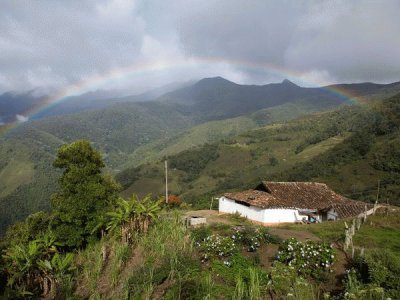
{"x": 309, "y": 258}
{"x": 199, "y": 234}
{"x": 227, "y": 242}
{"x": 273, "y": 161}
{"x": 285, "y": 283}
{"x": 237, "y": 218}
{"x": 252, "y": 237}
{"x": 218, "y": 246}
{"x": 377, "y": 269}
{"x": 173, "y": 200}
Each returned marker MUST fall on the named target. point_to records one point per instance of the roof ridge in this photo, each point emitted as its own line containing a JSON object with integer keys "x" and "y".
{"x": 292, "y": 182}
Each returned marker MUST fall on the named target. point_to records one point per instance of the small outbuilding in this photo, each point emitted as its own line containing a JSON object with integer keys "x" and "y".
{"x": 291, "y": 202}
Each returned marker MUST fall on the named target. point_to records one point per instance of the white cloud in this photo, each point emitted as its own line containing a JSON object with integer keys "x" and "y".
{"x": 55, "y": 43}
{"x": 21, "y": 118}
{"x": 352, "y": 42}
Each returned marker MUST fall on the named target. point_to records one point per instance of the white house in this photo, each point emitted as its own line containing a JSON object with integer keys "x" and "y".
{"x": 289, "y": 202}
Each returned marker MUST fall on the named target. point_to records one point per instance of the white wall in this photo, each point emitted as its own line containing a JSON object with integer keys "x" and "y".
{"x": 251, "y": 212}
{"x": 331, "y": 215}
{"x": 277, "y": 215}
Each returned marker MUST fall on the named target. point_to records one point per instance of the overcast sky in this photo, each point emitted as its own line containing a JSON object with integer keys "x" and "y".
{"x": 53, "y": 44}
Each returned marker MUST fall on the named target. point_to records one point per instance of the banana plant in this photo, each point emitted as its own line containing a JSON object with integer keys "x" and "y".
{"x": 21, "y": 265}
{"x": 123, "y": 217}
{"x": 147, "y": 211}
{"x": 54, "y": 270}
{"x": 48, "y": 243}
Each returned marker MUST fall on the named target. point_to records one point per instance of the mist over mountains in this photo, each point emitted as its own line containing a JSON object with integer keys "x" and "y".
{"x": 227, "y": 98}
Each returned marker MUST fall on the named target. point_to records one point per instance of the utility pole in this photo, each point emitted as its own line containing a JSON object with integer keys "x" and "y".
{"x": 166, "y": 182}
{"x": 377, "y": 194}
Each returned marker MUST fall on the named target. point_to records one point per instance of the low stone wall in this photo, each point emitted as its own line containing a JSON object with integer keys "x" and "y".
{"x": 194, "y": 220}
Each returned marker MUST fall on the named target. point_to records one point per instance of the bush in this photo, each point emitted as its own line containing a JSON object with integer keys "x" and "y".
{"x": 285, "y": 283}
{"x": 378, "y": 269}
{"x": 217, "y": 246}
{"x": 273, "y": 161}
{"x": 309, "y": 258}
{"x": 193, "y": 161}
{"x": 226, "y": 244}
{"x": 199, "y": 234}
{"x": 252, "y": 237}
{"x": 173, "y": 200}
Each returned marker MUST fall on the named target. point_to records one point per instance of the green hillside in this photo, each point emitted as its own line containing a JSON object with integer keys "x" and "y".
{"x": 131, "y": 134}
{"x": 215, "y": 131}
{"x": 350, "y": 149}
{"x": 97, "y": 245}
{"x": 27, "y": 178}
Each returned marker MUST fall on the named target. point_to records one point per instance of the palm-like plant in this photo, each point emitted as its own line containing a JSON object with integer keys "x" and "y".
{"x": 123, "y": 217}
{"x": 101, "y": 225}
{"x": 48, "y": 243}
{"x": 147, "y": 210}
{"x": 35, "y": 266}
{"x": 133, "y": 215}
{"x": 54, "y": 270}
{"x": 21, "y": 264}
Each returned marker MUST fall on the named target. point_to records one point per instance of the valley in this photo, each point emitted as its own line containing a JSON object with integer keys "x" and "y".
{"x": 135, "y": 137}
{"x": 146, "y": 249}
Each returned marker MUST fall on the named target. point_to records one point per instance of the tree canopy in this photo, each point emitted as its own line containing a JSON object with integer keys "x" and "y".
{"x": 84, "y": 193}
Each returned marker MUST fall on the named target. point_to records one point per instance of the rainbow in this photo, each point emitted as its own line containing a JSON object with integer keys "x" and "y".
{"x": 139, "y": 69}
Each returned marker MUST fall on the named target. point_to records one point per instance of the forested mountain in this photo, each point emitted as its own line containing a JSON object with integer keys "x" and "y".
{"x": 352, "y": 149}
{"x": 130, "y": 134}
{"x": 102, "y": 99}
{"x": 27, "y": 177}
{"x": 13, "y": 104}
{"x": 217, "y": 98}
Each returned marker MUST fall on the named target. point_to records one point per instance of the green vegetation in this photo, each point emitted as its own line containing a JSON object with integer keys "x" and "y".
{"x": 381, "y": 231}
{"x": 374, "y": 276}
{"x": 350, "y": 149}
{"x": 309, "y": 258}
{"x": 194, "y": 161}
{"x": 133, "y": 134}
{"x": 39, "y": 254}
{"x": 147, "y": 252}
{"x": 84, "y": 196}
{"x": 96, "y": 244}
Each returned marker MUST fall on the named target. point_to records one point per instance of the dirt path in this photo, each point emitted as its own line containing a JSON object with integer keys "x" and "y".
{"x": 300, "y": 235}
{"x": 135, "y": 261}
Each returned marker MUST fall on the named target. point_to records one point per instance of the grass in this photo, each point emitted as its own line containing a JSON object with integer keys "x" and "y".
{"x": 91, "y": 264}
{"x": 121, "y": 255}
{"x": 380, "y": 231}
{"x": 16, "y": 173}
{"x": 327, "y": 231}
{"x": 169, "y": 265}
{"x": 318, "y": 148}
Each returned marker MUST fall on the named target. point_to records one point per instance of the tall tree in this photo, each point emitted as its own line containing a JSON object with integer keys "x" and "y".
{"x": 85, "y": 193}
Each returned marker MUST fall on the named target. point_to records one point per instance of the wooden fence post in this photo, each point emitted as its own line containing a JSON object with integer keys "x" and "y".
{"x": 358, "y": 223}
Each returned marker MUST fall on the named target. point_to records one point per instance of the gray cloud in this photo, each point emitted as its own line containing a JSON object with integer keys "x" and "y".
{"x": 51, "y": 44}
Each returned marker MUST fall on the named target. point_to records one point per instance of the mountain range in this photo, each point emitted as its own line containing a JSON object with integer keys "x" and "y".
{"x": 135, "y": 132}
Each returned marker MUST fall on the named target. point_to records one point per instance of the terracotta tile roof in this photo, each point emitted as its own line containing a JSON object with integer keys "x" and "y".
{"x": 300, "y": 195}
{"x": 255, "y": 198}
{"x": 351, "y": 208}
{"x": 303, "y": 194}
